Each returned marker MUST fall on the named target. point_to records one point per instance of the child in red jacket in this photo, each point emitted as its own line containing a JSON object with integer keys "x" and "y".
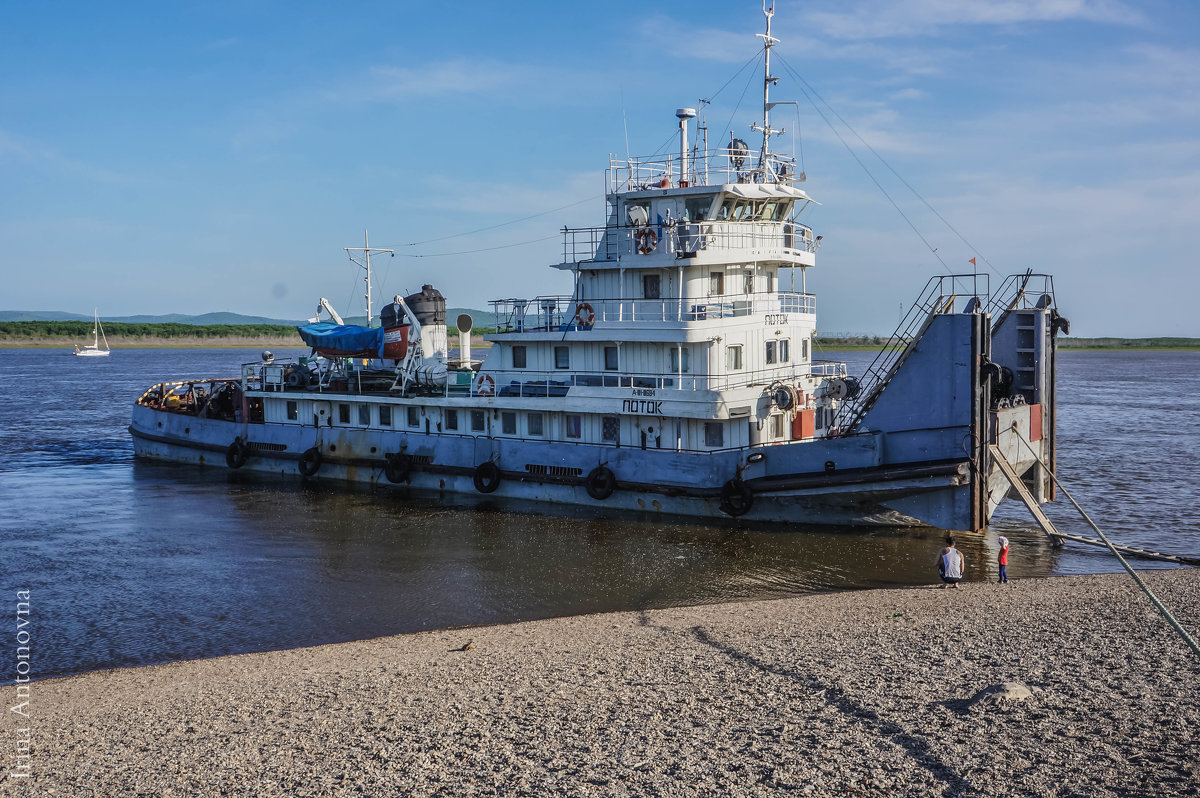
{"x": 1003, "y": 560}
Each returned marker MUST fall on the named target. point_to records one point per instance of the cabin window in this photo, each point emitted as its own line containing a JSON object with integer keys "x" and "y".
{"x": 733, "y": 357}
{"x": 804, "y": 349}
{"x": 478, "y": 421}
{"x": 611, "y": 358}
{"x": 695, "y": 209}
{"x": 508, "y": 423}
{"x": 574, "y": 424}
{"x": 638, "y": 213}
{"x": 533, "y": 422}
{"x": 451, "y": 419}
{"x": 518, "y": 357}
{"x": 385, "y": 416}
{"x": 714, "y": 434}
{"x": 364, "y": 415}
{"x": 652, "y": 286}
{"x": 414, "y": 417}
{"x": 610, "y": 429}
{"x": 785, "y": 354}
{"x": 687, "y": 360}
{"x": 562, "y": 357}
{"x": 748, "y": 281}
{"x": 771, "y": 348}
{"x": 716, "y": 283}
{"x": 293, "y": 410}
{"x": 777, "y": 426}
{"x": 343, "y": 414}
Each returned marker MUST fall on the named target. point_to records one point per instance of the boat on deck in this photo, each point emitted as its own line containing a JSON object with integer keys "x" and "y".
{"x": 675, "y": 375}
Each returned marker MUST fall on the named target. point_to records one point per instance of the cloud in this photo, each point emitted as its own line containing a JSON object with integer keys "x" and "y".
{"x": 462, "y": 77}
{"x": 878, "y": 19}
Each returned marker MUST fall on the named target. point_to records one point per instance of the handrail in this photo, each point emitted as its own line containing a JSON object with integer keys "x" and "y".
{"x": 728, "y": 165}
{"x": 684, "y": 238}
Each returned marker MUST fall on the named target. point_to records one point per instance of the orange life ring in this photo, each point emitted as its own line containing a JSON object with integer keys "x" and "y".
{"x": 646, "y": 240}
{"x": 585, "y": 316}
{"x": 486, "y": 386}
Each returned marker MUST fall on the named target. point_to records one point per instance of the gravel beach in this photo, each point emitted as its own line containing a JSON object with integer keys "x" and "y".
{"x": 879, "y": 692}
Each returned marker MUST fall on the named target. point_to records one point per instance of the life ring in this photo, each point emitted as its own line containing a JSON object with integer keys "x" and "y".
{"x": 487, "y": 477}
{"x": 601, "y": 483}
{"x": 585, "y": 316}
{"x": 310, "y": 462}
{"x": 646, "y": 240}
{"x": 398, "y": 468}
{"x": 486, "y": 386}
{"x": 237, "y": 453}
{"x": 736, "y": 497}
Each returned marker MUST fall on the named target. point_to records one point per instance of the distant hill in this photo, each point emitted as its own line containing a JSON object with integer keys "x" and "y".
{"x": 482, "y": 318}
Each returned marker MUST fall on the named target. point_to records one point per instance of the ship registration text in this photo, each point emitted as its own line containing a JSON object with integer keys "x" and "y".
{"x": 643, "y": 407}
{"x": 773, "y": 319}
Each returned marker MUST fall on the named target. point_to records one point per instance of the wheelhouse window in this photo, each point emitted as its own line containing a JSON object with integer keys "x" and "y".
{"x": 293, "y": 410}
{"x": 414, "y": 417}
{"x": 610, "y": 429}
{"x": 733, "y": 357}
{"x": 714, "y": 434}
{"x": 451, "y": 418}
{"x": 508, "y": 423}
{"x": 478, "y": 421}
{"x": 695, "y": 209}
{"x": 562, "y": 357}
{"x": 771, "y": 349}
{"x": 652, "y": 286}
{"x": 687, "y": 360}
{"x": 574, "y": 426}
{"x": 533, "y": 422}
{"x": 611, "y": 358}
{"x": 385, "y": 416}
{"x": 518, "y": 357}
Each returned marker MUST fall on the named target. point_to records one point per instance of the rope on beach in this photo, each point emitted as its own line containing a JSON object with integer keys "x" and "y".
{"x": 1187, "y": 638}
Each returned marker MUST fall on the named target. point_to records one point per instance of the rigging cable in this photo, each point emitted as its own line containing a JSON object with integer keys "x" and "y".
{"x": 854, "y": 155}
{"x": 806, "y": 85}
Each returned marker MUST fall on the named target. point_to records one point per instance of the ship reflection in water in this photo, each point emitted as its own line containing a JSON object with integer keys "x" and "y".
{"x": 187, "y": 563}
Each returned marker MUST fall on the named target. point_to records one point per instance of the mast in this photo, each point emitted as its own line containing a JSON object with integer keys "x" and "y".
{"x": 366, "y": 264}
{"x": 768, "y": 80}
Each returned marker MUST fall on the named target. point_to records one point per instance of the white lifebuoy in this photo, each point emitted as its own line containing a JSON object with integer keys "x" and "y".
{"x": 585, "y": 316}
{"x": 486, "y": 386}
{"x": 646, "y": 240}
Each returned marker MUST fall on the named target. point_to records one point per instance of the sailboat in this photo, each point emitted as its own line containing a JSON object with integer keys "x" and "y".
{"x": 94, "y": 349}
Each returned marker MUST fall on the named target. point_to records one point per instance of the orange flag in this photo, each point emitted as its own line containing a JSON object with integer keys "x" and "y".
{"x": 972, "y": 261}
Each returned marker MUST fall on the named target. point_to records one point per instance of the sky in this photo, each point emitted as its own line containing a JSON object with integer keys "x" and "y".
{"x": 218, "y": 156}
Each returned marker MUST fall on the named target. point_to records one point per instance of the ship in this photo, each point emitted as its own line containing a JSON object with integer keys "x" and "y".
{"x": 676, "y": 375}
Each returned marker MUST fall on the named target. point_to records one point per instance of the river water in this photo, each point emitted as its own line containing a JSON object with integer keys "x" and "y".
{"x": 129, "y": 563}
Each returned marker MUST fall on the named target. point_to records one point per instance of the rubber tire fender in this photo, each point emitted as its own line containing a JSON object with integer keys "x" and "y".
{"x": 237, "y": 453}
{"x": 487, "y": 477}
{"x": 398, "y": 468}
{"x": 736, "y": 497}
{"x": 310, "y": 462}
{"x": 601, "y": 483}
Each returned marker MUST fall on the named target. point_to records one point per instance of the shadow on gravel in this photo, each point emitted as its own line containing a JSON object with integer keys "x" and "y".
{"x": 917, "y": 747}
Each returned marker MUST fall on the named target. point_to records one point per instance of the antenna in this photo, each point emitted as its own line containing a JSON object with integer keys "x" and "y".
{"x": 366, "y": 264}
{"x": 769, "y": 80}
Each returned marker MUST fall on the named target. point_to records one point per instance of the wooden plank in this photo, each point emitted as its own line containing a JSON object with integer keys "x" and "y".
{"x": 1018, "y": 485}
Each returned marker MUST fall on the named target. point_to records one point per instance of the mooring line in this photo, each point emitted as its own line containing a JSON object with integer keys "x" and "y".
{"x": 1187, "y": 638}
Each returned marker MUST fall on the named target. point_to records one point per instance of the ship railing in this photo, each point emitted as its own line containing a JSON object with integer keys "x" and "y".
{"x": 722, "y": 165}
{"x": 942, "y": 294}
{"x": 1021, "y": 292}
{"x": 685, "y": 239}
{"x": 562, "y": 313}
{"x": 527, "y": 383}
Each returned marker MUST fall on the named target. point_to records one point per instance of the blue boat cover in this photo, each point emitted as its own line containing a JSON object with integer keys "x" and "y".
{"x": 344, "y": 339}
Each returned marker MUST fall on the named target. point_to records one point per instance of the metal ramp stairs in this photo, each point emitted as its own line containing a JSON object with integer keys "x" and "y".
{"x": 938, "y": 297}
